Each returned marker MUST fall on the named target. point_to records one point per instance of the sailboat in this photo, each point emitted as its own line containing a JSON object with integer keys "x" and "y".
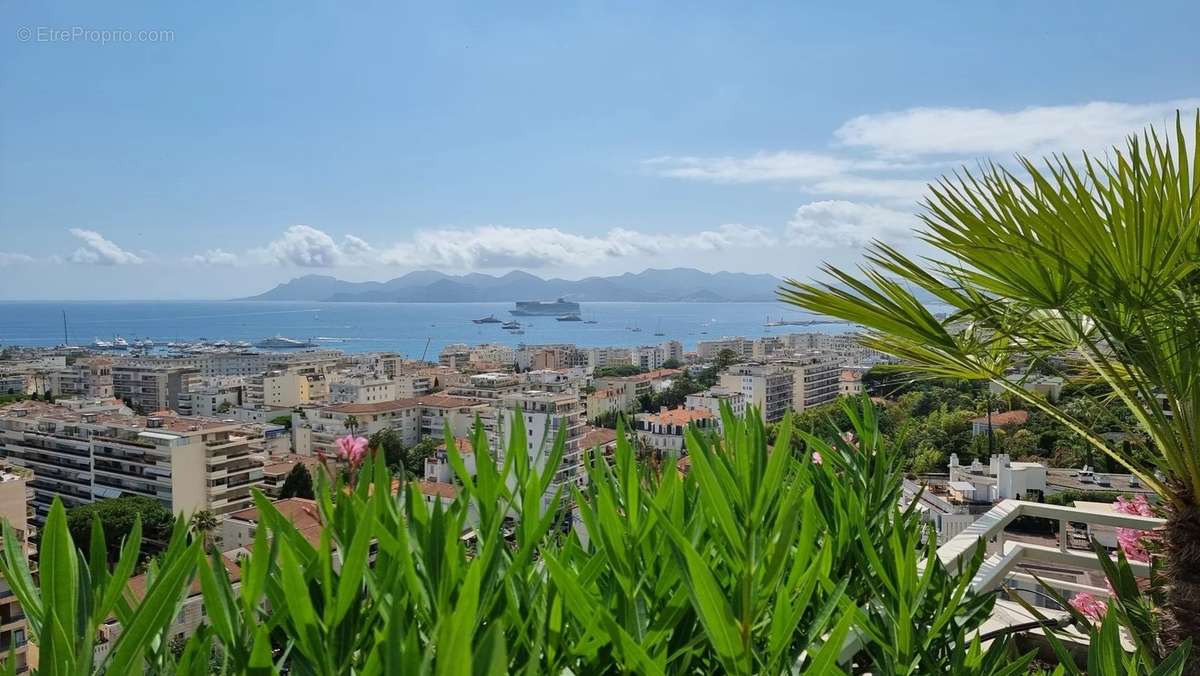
{"x": 658, "y": 329}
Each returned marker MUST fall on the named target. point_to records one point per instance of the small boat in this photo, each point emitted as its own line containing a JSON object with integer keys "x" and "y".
{"x": 102, "y": 344}
{"x": 590, "y": 321}
{"x": 511, "y": 326}
{"x": 490, "y": 319}
{"x": 570, "y": 318}
{"x": 519, "y": 332}
{"x": 658, "y": 329}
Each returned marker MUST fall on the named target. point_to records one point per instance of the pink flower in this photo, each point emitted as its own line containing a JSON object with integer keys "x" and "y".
{"x": 1089, "y": 606}
{"x": 1138, "y": 506}
{"x": 816, "y": 458}
{"x": 1132, "y": 542}
{"x": 352, "y": 449}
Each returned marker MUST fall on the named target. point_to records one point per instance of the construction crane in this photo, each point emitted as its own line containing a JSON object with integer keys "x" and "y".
{"x": 426, "y": 350}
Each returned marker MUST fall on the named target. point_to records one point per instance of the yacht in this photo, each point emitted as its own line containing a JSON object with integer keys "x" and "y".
{"x": 490, "y": 319}
{"x": 120, "y": 343}
{"x": 572, "y": 317}
{"x": 658, "y": 330}
{"x": 281, "y": 342}
{"x": 511, "y": 326}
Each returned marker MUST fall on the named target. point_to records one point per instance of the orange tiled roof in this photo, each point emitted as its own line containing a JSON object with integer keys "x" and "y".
{"x": 678, "y": 416}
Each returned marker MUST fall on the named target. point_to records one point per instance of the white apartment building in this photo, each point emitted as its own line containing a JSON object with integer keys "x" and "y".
{"x": 409, "y": 385}
{"x": 283, "y": 389}
{"x": 215, "y": 364}
{"x": 663, "y": 432}
{"x": 769, "y": 387}
{"x": 653, "y": 357}
{"x": 598, "y": 357}
{"x": 816, "y": 379}
{"x": 492, "y": 353}
{"x": 487, "y": 386}
{"x": 544, "y": 415}
{"x": 315, "y": 428}
{"x": 362, "y": 390}
{"x": 210, "y": 401}
{"x": 711, "y": 399}
{"x": 80, "y": 456}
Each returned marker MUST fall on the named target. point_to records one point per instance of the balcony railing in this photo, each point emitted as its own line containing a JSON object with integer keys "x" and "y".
{"x": 1007, "y": 556}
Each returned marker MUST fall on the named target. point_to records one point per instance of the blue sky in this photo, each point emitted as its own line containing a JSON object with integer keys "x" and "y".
{"x": 266, "y": 140}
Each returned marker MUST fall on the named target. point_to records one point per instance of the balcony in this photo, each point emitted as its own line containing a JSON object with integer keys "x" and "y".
{"x": 1009, "y": 560}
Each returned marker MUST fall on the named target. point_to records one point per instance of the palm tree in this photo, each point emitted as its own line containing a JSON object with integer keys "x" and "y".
{"x": 351, "y": 423}
{"x": 203, "y": 523}
{"x": 1094, "y": 262}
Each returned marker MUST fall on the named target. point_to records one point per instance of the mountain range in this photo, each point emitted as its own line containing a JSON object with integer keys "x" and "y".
{"x": 674, "y": 285}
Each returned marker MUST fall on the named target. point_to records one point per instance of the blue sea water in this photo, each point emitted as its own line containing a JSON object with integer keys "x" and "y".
{"x": 399, "y": 327}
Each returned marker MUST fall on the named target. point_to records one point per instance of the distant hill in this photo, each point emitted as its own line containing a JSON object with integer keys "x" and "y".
{"x": 677, "y": 284}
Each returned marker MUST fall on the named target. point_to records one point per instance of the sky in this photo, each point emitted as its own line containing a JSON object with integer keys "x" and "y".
{"x": 211, "y": 150}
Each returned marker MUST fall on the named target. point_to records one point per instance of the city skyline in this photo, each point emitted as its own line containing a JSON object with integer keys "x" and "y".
{"x": 216, "y": 154}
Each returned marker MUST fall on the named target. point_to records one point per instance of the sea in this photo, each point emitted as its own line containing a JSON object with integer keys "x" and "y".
{"x": 412, "y": 329}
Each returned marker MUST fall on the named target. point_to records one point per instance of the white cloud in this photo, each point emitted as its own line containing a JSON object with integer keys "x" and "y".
{"x": 503, "y": 247}
{"x": 7, "y": 258}
{"x": 839, "y": 223}
{"x": 1038, "y": 130}
{"x": 100, "y": 251}
{"x": 308, "y": 247}
{"x": 757, "y": 168}
{"x": 214, "y": 257}
{"x": 900, "y": 191}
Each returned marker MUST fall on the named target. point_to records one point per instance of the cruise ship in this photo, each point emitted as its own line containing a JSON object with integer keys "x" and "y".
{"x": 545, "y": 308}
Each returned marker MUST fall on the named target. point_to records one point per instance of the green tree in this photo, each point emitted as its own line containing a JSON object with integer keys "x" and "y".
{"x": 116, "y": 517}
{"x": 285, "y": 420}
{"x": 297, "y": 484}
{"x": 1093, "y": 264}
{"x": 204, "y": 524}
{"x": 351, "y": 423}
{"x": 672, "y": 363}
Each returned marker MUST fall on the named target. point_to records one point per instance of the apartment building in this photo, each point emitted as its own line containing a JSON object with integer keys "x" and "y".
{"x": 214, "y": 364}
{"x": 627, "y": 389}
{"x": 279, "y": 389}
{"x": 544, "y": 415}
{"x": 816, "y": 379}
{"x": 210, "y": 401}
{"x": 492, "y": 353}
{"x": 487, "y": 386}
{"x": 455, "y": 356}
{"x": 154, "y": 388}
{"x": 187, "y": 463}
{"x": 409, "y": 385}
{"x": 599, "y": 357}
{"x": 362, "y": 390}
{"x": 711, "y": 400}
{"x": 664, "y": 432}
{"x": 769, "y": 387}
{"x": 90, "y": 378}
{"x": 654, "y": 356}
{"x": 315, "y": 428}
{"x": 14, "y": 629}
{"x": 707, "y": 350}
